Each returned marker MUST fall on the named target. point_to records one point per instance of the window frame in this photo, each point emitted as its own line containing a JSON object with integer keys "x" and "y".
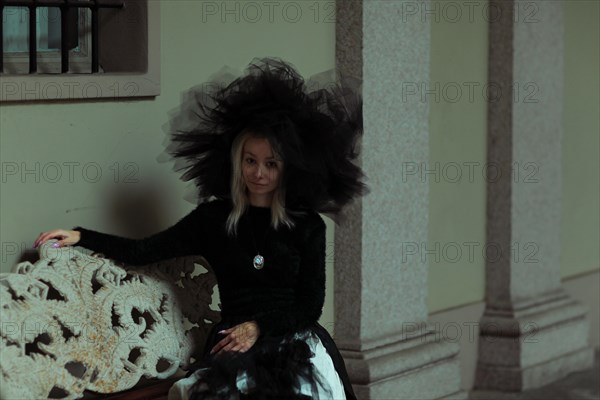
{"x": 81, "y": 87}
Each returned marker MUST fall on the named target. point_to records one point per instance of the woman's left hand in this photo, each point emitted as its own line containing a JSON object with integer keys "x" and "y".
{"x": 239, "y": 338}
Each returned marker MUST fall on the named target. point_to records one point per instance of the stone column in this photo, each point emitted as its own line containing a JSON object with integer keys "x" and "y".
{"x": 381, "y": 312}
{"x": 531, "y": 332}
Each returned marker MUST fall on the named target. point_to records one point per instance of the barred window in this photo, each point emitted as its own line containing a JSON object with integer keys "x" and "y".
{"x": 78, "y": 49}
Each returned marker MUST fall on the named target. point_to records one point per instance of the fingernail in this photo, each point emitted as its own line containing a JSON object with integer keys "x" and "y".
{"x": 222, "y": 331}
{"x": 55, "y": 245}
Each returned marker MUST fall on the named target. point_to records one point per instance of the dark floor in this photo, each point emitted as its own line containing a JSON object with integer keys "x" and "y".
{"x": 576, "y": 386}
{"x": 583, "y": 385}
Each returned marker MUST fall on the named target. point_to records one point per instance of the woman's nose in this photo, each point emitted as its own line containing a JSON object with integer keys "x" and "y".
{"x": 258, "y": 171}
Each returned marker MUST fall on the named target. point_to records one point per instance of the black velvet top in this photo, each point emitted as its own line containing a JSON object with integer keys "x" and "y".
{"x": 285, "y": 296}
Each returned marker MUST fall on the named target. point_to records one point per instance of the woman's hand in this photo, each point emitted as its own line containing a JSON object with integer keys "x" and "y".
{"x": 239, "y": 338}
{"x": 67, "y": 238}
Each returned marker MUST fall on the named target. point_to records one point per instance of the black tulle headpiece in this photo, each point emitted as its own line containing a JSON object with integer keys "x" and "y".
{"x": 317, "y": 130}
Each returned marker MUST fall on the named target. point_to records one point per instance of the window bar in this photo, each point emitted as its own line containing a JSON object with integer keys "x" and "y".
{"x": 1, "y": 38}
{"x": 32, "y": 39}
{"x": 64, "y": 39}
{"x": 95, "y": 35}
{"x": 61, "y": 3}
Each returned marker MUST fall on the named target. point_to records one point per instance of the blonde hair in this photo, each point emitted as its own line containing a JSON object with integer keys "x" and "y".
{"x": 239, "y": 197}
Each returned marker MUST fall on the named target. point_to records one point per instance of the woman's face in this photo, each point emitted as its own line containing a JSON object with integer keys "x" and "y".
{"x": 260, "y": 169}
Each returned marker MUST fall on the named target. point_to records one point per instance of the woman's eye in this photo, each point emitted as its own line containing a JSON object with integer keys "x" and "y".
{"x": 249, "y": 160}
{"x": 272, "y": 164}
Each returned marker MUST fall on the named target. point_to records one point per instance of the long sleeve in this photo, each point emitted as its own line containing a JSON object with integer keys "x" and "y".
{"x": 175, "y": 241}
{"x": 309, "y": 290}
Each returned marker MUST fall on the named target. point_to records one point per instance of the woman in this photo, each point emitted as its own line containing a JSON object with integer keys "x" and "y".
{"x": 267, "y": 157}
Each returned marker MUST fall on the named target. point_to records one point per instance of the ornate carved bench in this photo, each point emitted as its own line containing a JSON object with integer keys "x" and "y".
{"x": 78, "y": 325}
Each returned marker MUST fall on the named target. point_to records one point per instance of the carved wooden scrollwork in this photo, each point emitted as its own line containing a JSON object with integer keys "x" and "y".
{"x": 73, "y": 322}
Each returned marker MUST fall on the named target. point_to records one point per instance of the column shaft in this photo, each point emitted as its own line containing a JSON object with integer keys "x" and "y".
{"x": 532, "y": 332}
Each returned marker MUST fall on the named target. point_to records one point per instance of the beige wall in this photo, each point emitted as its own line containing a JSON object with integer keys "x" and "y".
{"x": 194, "y": 45}
{"x": 457, "y": 157}
{"x": 580, "y": 251}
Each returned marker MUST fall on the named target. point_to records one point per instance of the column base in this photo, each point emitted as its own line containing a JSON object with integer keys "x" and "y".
{"x": 532, "y": 345}
{"x": 460, "y": 395}
{"x": 422, "y": 366}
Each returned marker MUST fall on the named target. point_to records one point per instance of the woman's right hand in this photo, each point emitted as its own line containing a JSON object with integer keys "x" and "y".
{"x": 67, "y": 238}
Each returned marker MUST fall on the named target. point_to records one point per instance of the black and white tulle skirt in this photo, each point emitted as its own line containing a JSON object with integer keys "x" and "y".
{"x": 300, "y": 365}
